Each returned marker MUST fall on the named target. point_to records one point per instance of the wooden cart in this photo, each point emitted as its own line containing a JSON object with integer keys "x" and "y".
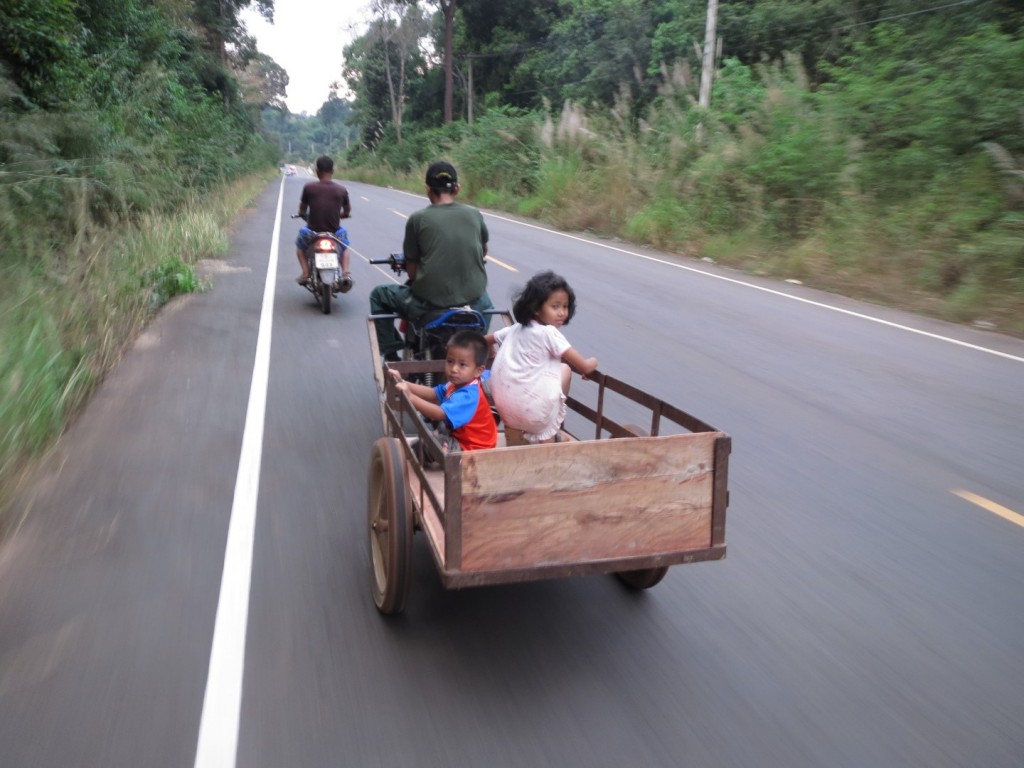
{"x": 628, "y": 500}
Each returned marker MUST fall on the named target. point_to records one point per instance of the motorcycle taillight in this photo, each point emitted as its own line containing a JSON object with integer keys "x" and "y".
{"x": 324, "y": 245}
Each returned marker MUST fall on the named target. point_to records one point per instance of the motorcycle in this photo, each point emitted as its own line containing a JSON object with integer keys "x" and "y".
{"x": 323, "y": 257}
{"x": 428, "y": 338}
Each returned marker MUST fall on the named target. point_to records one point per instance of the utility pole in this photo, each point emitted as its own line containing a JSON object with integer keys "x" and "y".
{"x": 708, "y": 64}
{"x": 469, "y": 97}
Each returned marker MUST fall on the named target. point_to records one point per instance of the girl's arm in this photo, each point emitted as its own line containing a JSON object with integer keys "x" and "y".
{"x": 582, "y": 365}
{"x": 492, "y": 346}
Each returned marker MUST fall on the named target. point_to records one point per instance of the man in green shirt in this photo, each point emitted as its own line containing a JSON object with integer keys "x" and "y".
{"x": 445, "y": 245}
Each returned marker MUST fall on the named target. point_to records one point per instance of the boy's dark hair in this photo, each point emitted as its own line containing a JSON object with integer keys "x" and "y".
{"x": 471, "y": 340}
{"x": 529, "y": 300}
{"x": 324, "y": 164}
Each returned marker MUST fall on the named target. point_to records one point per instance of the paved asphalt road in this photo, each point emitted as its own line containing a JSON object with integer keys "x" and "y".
{"x": 870, "y": 612}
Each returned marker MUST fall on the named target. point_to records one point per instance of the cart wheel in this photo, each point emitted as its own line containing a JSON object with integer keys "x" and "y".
{"x": 390, "y": 526}
{"x": 645, "y": 578}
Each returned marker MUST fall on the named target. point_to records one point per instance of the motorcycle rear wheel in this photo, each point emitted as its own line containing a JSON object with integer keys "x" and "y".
{"x": 325, "y": 298}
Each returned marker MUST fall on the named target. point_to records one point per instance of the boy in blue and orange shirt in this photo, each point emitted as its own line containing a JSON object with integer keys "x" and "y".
{"x": 461, "y": 403}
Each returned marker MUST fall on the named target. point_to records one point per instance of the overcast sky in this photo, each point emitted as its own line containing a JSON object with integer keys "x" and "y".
{"x": 306, "y": 40}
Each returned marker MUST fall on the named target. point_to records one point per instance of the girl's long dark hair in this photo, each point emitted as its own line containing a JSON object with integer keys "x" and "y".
{"x": 529, "y": 301}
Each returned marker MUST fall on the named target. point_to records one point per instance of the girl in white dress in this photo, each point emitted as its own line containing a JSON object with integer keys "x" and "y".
{"x": 531, "y": 371}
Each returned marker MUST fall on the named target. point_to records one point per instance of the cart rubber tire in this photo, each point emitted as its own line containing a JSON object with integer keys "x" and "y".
{"x": 390, "y": 526}
{"x": 645, "y": 578}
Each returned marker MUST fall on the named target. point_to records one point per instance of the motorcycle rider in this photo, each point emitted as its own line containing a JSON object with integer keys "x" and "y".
{"x": 445, "y": 245}
{"x": 324, "y": 203}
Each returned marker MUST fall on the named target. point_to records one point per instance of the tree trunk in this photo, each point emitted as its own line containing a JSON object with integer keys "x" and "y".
{"x": 448, "y": 9}
{"x": 708, "y": 64}
{"x": 396, "y": 117}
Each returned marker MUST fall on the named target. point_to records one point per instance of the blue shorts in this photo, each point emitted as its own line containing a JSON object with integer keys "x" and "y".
{"x": 306, "y": 236}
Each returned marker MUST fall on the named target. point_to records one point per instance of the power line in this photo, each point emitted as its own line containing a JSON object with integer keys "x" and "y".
{"x": 822, "y": 21}
{"x": 910, "y": 13}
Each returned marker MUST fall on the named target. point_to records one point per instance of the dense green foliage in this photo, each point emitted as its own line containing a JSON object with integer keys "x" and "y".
{"x": 873, "y": 146}
{"x": 302, "y": 138}
{"x": 116, "y": 118}
{"x": 110, "y": 109}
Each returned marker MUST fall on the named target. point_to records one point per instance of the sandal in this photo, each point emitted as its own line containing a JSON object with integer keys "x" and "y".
{"x": 345, "y": 284}
{"x": 303, "y": 281}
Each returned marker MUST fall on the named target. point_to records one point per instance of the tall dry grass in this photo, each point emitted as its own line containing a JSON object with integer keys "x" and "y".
{"x": 771, "y": 182}
{"x": 66, "y": 314}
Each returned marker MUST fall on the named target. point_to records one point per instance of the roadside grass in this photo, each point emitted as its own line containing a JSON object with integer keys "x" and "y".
{"x": 777, "y": 179}
{"x": 850, "y": 250}
{"x": 64, "y": 325}
{"x": 381, "y": 176}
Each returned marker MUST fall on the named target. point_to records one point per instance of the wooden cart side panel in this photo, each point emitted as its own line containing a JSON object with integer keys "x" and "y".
{"x": 658, "y": 408}
{"x": 586, "y": 501}
{"x": 425, "y": 509}
{"x": 453, "y": 471}
{"x": 723, "y": 447}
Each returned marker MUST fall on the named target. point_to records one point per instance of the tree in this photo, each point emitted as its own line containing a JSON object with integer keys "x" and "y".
{"x": 41, "y": 46}
{"x": 502, "y": 36}
{"x": 333, "y": 114}
{"x": 364, "y": 73}
{"x": 263, "y": 82}
{"x": 448, "y": 12}
{"x": 399, "y": 26}
{"x": 590, "y": 54}
{"x": 219, "y": 20}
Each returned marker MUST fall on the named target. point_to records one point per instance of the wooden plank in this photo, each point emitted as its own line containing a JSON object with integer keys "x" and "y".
{"x": 586, "y": 501}
{"x": 723, "y": 447}
{"x": 463, "y": 579}
{"x": 434, "y": 531}
{"x": 659, "y": 408}
{"x": 453, "y": 469}
{"x": 422, "y": 482}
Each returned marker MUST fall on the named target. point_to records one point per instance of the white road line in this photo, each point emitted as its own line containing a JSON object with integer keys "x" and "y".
{"x": 218, "y": 727}
{"x": 745, "y": 284}
{"x": 782, "y": 294}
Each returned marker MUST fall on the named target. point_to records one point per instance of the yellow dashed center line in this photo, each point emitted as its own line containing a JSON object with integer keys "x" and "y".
{"x": 509, "y": 267}
{"x": 991, "y": 506}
